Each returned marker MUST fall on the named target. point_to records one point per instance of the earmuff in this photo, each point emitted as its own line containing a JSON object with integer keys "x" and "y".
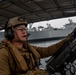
{"x": 9, "y": 34}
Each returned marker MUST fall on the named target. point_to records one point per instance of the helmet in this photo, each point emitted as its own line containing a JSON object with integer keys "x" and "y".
{"x": 16, "y": 21}
{"x": 13, "y": 22}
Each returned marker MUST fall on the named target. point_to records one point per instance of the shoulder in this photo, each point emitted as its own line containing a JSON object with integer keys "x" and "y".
{"x": 3, "y": 50}
{"x": 2, "y": 45}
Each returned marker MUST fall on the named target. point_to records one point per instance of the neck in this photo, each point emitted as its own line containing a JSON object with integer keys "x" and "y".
{"x": 18, "y": 44}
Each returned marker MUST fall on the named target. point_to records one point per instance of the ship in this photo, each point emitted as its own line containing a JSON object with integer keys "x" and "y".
{"x": 50, "y": 32}
{"x": 47, "y": 33}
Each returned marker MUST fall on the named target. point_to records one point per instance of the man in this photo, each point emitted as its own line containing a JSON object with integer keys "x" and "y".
{"x": 17, "y": 57}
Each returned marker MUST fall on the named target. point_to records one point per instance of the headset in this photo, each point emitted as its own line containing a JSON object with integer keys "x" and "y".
{"x": 9, "y": 33}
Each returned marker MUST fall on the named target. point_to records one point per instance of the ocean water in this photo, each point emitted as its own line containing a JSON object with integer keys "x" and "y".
{"x": 71, "y": 67}
{"x": 45, "y": 43}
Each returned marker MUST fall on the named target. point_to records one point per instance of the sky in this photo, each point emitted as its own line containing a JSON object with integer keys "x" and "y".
{"x": 56, "y": 23}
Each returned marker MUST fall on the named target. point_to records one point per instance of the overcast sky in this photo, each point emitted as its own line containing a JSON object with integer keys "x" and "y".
{"x": 57, "y": 23}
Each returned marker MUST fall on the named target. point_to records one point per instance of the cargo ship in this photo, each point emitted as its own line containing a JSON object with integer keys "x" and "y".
{"x": 50, "y": 32}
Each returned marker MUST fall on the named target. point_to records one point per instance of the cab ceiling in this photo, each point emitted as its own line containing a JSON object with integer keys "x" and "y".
{"x": 36, "y": 10}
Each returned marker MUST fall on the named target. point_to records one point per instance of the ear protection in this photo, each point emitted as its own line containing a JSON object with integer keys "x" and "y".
{"x": 9, "y": 34}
